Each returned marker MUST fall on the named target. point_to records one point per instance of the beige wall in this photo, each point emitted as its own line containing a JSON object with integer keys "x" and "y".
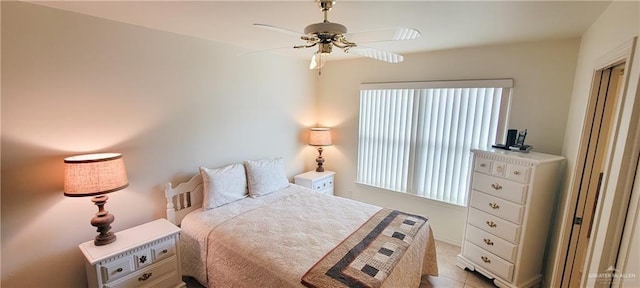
{"x": 619, "y": 24}
{"x": 169, "y": 103}
{"x": 543, "y": 75}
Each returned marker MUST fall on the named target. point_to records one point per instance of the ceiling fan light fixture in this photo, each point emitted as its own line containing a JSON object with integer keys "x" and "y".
{"x": 317, "y": 60}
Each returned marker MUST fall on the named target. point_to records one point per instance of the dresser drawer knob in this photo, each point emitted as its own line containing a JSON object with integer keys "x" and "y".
{"x": 496, "y": 186}
{"x": 483, "y": 165}
{"x": 485, "y": 259}
{"x": 145, "y": 277}
{"x": 516, "y": 172}
{"x": 491, "y": 224}
{"x": 119, "y": 270}
{"x": 143, "y": 259}
{"x": 164, "y": 251}
{"x": 488, "y": 242}
{"x": 494, "y": 205}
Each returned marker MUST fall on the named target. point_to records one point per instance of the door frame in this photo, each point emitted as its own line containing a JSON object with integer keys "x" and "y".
{"x": 622, "y": 143}
{"x": 622, "y": 164}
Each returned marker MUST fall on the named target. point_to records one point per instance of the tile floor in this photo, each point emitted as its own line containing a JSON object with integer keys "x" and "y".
{"x": 450, "y": 275}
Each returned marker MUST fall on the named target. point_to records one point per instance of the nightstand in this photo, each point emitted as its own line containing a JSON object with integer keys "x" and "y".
{"x": 318, "y": 181}
{"x": 143, "y": 256}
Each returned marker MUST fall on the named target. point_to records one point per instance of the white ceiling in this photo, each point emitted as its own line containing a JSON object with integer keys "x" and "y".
{"x": 444, "y": 24}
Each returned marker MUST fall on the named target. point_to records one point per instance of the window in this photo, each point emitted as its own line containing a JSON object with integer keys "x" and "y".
{"x": 416, "y": 137}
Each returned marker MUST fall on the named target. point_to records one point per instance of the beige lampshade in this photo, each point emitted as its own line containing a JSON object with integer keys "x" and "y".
{"x": 320, "y": 137}
{"x": 94, "y": 174}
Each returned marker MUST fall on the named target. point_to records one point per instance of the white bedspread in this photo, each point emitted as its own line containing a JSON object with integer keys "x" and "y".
{"x": 271, "y": 241}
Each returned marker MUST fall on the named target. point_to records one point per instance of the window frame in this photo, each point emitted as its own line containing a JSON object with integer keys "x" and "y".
{"x": 503, "y": 118}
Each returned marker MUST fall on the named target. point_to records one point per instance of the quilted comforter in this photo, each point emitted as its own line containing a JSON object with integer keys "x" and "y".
{"x": 273, "y": 240}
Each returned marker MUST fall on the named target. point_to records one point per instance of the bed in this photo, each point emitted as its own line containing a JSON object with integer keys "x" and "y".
{"x": 295, "y": 237}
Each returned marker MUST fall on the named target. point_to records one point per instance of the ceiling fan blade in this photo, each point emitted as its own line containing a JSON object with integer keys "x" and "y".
{"x": 317, "y": 61}
{"x": 382, "y": 35}
{"x": 385, "y": 56}
{"x": 279, "y": 29}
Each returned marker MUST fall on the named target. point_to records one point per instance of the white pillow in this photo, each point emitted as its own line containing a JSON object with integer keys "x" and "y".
{"x": 223, "y": 185}
{"x": 265, "y": 176}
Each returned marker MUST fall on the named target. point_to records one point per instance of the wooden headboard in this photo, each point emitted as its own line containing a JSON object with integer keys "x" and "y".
{"x": 184, "y": 198}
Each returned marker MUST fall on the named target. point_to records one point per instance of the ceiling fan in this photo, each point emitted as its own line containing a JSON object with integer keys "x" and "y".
{"x": 325, "y": 35}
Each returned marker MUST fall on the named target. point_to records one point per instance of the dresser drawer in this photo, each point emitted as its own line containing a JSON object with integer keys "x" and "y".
{"x": 483, "y": 165}
{"x": 488, "y": 261}
{"x": 114, "y": 270}
{"x": 500, "y": 187}
{"x": 494, "y": 225}
{"x": 496, "y": 206}
{"x": 491, "y": 243}
{"x": 518, "y": 173}
{"x": 150, "y": 276}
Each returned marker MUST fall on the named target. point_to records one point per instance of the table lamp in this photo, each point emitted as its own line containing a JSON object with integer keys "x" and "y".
{"x": 96, "y": 175}
{"x": 320, "y": 137}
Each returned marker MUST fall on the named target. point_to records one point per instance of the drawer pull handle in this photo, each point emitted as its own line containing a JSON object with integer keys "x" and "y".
{"x": 143, "y": 259}
{"x": 485, "y": 259}
{"x": 494, "y": 205}
{"x": 483, "y": 165}
{"x": 144, "y": 277}
{"x": 496, "y": 186}
{"x": 516, "y": 172}
{"x": 491, "y": 224}
{"x": 164, "y": 251}
{"x": 119, "y": 270}
{"x": 488, "y": 242}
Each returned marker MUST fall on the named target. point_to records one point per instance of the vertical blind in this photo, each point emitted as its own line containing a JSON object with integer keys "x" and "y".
{"x": 416, "y": 137}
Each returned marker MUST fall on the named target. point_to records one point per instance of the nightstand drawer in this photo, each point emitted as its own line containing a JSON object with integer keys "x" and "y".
{"x": 163, "y": 250}
{"x": 149, "y": 276}
{"x": 117, "y": 269}
{"x": 142, "y": 258}
{"x": 323, "y": 183}
{"x": 495, "y": 206}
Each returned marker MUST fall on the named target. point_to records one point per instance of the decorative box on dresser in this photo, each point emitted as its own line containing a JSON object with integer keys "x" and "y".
{"x": 512, "y": 197}
{"x": 318, "y": 181}
{"x": 143, "y": 256}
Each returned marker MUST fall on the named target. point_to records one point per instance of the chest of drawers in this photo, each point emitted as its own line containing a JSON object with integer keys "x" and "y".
{"x": 511, "y": 201}
{"x": 143, "y": 256}
{"x": 318, "y": 181}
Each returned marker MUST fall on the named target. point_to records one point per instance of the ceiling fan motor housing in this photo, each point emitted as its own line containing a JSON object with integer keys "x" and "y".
{"x": 325, "y": 28}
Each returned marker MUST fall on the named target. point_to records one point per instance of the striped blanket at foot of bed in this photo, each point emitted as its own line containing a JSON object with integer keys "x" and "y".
{"x": 368, "y": 256}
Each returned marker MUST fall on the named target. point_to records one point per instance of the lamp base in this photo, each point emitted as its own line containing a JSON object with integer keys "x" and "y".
{"x": 102, "y": 220}
{"x": 320, "y": 160}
